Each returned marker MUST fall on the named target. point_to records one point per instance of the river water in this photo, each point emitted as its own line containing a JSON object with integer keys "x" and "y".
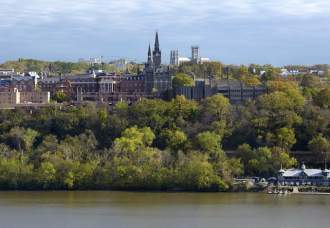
{"x": 153, "y": 210}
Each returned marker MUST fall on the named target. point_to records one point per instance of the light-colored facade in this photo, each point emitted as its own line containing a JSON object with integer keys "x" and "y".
{"x": 6, "y": 72}
{"x": 195, "y": 54}
{"x": 303, "y": 176}
{"x": 174, "y": 60}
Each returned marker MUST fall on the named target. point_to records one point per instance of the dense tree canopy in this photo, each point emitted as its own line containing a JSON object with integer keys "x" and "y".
{"x": 159, "y": 145}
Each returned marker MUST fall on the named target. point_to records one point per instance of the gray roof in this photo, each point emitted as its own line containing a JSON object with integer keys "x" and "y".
{"x": 308, "y": 172}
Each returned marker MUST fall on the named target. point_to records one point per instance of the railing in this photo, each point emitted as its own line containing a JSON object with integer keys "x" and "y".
{"x": 304, "y": 182}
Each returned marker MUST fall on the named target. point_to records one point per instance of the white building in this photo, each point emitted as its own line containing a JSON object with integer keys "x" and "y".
{"x": 304, "y": 176}
{"x": 176, "y": 60}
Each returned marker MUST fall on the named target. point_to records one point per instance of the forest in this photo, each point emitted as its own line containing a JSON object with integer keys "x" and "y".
{"x": 165, "y": 145}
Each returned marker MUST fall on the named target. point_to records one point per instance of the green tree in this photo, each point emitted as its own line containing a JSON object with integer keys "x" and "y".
{"x": 322, "y": 98}
{"x": 197, "y": 174}
{"x": 61, "y": 97}
{"x": 321, "y": 147}
{"x": 174, "y": 139}
{"x": 285, "y": 138}
{"x": 46, "y": 175}
{"x": 216, "y": 107}
{"x": 182, "y": 79}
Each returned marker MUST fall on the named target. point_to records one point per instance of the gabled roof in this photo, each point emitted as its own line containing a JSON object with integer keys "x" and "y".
{"x": 300, "y": 172}
{"x": 292, "y": 173}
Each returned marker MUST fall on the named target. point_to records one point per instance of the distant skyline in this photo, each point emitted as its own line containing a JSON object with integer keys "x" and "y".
{"x": 277, "y": 32}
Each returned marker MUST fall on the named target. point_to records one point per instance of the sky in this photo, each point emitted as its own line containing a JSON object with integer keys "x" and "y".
{"x": 277, "y": 32}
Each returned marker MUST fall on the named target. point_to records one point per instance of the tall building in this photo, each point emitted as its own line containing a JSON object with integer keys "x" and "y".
{"x": 195, "y": 54}
{"x": 157, "y": 77}
{"x": 174, "y": 58}
{"x": 157, "y": 54}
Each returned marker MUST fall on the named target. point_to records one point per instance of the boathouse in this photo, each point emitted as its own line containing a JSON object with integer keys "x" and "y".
{"x": 303, "y": 176}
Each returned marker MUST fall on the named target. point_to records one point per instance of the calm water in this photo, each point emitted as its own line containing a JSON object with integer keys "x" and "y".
{"x": 144, "y": 210}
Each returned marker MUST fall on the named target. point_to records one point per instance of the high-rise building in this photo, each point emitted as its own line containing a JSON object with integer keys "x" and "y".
{"x": 174, "y": 58}
{"x": 195, "y": 54}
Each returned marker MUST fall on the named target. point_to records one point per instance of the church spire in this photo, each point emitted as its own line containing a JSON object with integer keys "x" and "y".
{"x": 156, "y": 42}
{"x": 149, "y": 56}
{"x": 157, "y": 54}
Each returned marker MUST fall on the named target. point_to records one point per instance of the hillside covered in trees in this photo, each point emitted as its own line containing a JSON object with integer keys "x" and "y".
{"x": 164, "y": 145}
{"x": 59, "y": 67}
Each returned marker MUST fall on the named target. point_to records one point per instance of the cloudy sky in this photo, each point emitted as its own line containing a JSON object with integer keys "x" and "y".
{"x": 232, "y": 31}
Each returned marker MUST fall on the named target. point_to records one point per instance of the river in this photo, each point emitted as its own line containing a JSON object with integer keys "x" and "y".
{"x": 158, "y": 210}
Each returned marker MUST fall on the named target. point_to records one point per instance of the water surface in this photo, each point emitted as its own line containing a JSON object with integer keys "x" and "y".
{"x": 153, "y": 210}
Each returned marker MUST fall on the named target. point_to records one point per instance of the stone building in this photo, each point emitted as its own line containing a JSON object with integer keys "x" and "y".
{"x": 16, "y": 98}
{"x": 157, "y": 77}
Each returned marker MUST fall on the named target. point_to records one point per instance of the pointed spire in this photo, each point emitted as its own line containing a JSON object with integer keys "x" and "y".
{"x": 149, "y": 51}
{"x": 156, "y": 41}
{"x": 157, "y": 54}
{"x": 149, "y": 56}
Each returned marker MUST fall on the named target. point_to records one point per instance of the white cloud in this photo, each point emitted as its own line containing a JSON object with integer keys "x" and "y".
{"x": 139, "y": 14}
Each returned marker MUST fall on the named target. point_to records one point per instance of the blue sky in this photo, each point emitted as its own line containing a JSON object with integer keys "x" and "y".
{"x": 233, "y": 31}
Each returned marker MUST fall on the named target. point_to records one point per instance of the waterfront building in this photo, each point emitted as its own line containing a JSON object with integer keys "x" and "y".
{"x": 304, "y": 176}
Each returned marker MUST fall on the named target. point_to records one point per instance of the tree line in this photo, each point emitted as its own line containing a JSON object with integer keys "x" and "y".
{"x": 165, "y": 145}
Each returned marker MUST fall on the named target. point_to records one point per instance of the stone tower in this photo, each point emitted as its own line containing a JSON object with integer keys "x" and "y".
{"x": 157, "y": 54}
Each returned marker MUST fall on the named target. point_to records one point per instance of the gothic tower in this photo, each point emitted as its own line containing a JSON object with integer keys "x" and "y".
{"x": 157, "y": 54}
{"x": 149, "y": 62}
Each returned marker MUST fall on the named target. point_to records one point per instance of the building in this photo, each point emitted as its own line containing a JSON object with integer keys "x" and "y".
{"x": 6, "y": 72}
{"x": 199, "y": 91}
{"x": 24, "y": 83}
{"x": 132, "y": 84}
{"x": 195, "y": 54}
{"x": 157, "y": 77}
{"x": 156, "y": 54}
{"x": 184, "y": 60}
{"x": 303, "y": 176}
{"x": 14, "y": 98}
{"x": 34, "y": 97}
{"x": 54, "y": 84}
{"x": 9, "y": 98}
{"x": 174, "y": 58}
{"x": 120, "y": 63}
{"x": 237, "y": 91}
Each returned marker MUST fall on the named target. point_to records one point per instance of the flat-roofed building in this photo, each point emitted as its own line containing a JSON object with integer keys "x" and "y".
{"x": 9, "y": 98}
{"x": 237, "y": 91}
{"x": 35, "y": 97}
{"x": 15, "y": 98}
